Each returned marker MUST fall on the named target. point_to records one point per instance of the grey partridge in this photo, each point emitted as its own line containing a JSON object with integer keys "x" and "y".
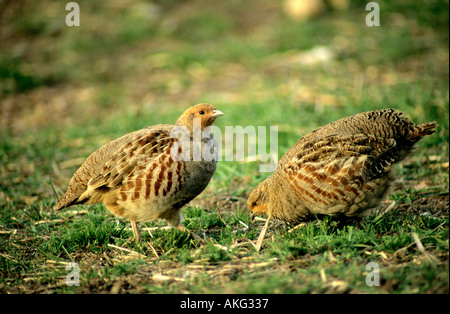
{"x": 150, "y": 173}
{"x": 340, "y": 169}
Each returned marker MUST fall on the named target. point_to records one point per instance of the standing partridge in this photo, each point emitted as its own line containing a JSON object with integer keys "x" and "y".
{"x": 142, "y": 176}
{"x": 340, "y": 169}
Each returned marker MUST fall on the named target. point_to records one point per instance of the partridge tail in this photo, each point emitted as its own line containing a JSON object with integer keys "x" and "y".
{"x": 382, "y": 163}
{"x": 64, "y": 201}
{"x": 68, "y": 199}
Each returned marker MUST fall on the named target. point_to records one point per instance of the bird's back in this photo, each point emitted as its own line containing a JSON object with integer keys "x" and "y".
{"x": 95, "y": 163}
{"x": 383, "y": 135}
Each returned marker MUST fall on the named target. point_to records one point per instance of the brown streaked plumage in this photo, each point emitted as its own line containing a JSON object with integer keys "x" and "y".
{"x": 136, "y": 176}
{"x": 340, "y": 169}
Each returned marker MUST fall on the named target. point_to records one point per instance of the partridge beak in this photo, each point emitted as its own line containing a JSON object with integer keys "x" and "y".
{"x": 217, "y": 113}
{"x": 252, "y": 216}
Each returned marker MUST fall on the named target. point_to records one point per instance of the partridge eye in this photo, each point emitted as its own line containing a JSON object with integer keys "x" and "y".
{"x": 201, "y": 112}
{"x": 254, "y": 204}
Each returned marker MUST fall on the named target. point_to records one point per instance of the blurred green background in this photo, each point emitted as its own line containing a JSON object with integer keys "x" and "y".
{"x": 296, "y": 64}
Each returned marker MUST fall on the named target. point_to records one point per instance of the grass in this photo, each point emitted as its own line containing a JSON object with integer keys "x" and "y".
{"x": 67, "y": 91}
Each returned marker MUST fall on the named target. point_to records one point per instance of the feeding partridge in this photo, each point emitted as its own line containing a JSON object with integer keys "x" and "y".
{"x": 340, "y": 169}
{"x": 148, "y": 174}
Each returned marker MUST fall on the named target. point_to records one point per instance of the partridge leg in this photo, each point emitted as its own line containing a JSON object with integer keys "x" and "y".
{"x": 137, "y": 237}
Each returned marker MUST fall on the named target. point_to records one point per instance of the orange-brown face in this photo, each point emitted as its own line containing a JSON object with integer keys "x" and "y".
{"x": 205, "y": 112}
{"x": 257, "y": 201}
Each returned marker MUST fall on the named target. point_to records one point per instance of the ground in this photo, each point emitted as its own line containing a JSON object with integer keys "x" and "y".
{"x": 65, "y": 91}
